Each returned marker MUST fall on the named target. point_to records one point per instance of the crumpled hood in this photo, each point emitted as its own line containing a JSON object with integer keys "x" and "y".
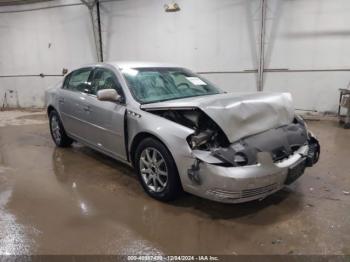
{"x": 239, "y": 115}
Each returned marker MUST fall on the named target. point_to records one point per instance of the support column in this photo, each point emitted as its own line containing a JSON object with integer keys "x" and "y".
{"x": 99, "y": 29}
{"x": 94, "y": 9}
{"x": 262, "y": 46}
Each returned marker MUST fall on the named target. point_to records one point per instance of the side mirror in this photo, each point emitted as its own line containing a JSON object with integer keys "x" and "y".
{"x": 108, "y": 95}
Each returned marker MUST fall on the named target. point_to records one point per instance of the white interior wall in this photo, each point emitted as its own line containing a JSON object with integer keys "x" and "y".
{"x": 308, "y": 34}
{"x": 41, "y": 41}
{"x": 206, "y": 35}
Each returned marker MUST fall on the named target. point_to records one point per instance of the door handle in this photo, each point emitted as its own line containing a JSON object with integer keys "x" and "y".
{"x": 61, "y": 100}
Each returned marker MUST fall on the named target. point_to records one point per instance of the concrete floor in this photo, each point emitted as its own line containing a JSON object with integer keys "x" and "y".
{"x": 77, "y": 201}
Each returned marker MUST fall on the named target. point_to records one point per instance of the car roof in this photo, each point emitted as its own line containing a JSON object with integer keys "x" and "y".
{"x": 127, "y": 64}
{"x": 136, "y": 64}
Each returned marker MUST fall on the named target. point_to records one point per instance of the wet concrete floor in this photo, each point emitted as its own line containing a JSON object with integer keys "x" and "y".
{"x": 77, "y": 201}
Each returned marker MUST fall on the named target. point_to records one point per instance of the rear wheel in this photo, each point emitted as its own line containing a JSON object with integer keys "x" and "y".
{"x": 57, "y": 131}
{"x": 157, "y": 170}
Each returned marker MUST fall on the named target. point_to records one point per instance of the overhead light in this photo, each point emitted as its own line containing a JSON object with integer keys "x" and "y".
{"x": 174, "y": 7}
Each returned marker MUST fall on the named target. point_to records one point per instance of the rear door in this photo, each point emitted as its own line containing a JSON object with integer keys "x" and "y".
{"x": 106, "y": 129}
{"x": 72, "y": 102}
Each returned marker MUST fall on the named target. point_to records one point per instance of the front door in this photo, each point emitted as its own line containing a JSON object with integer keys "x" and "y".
{"x": 106, "y": 129}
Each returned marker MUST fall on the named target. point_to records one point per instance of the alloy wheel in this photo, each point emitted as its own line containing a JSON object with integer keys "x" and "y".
{"x": 153, "y": 169}
{"x": 55, "y": 129}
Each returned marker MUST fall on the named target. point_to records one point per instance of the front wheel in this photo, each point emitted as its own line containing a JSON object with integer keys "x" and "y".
{"x": 157, "y": 170}
{"x": 57, "y": 131}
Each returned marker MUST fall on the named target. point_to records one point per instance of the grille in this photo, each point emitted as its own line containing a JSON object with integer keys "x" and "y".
{"x": 223, "y": 194}
{"x": 258, "y": 191}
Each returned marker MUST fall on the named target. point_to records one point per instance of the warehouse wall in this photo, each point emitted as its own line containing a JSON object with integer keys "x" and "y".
{"x": 223, "y": 36}
{"x": 217, "y": 37}
{"x": 42, "y": 41}
{"x": 205, "y": 35}
{"x": 308, "y": 35}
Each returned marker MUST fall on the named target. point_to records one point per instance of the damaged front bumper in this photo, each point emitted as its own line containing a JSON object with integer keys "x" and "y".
{"x": 246, "y": 183}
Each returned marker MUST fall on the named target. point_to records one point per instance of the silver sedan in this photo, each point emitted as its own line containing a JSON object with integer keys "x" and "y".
{"x": 180, "y": 132}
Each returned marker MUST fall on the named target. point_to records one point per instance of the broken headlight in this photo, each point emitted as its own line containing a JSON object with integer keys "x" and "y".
{"x": 200, "y": 139}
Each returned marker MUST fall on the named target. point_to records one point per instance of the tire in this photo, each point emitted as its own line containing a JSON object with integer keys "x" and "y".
{"x": 57, "y": 131}
{"x": 151, "y": 172}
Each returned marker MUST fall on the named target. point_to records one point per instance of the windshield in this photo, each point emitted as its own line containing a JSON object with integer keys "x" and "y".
{"x": 150, "y": 85}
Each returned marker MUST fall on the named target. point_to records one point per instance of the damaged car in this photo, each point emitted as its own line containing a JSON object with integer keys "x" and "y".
{"x": 182, "y": 133}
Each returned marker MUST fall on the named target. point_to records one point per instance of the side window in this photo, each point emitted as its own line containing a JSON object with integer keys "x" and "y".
{"x": 105, "y": 79}
{"x": 79, "y": 80}
{"x": 65, "y": 83}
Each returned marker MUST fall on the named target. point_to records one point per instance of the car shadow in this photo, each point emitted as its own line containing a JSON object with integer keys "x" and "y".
{"x": 273, "y": 208}
{"x": 215, "y": 210}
